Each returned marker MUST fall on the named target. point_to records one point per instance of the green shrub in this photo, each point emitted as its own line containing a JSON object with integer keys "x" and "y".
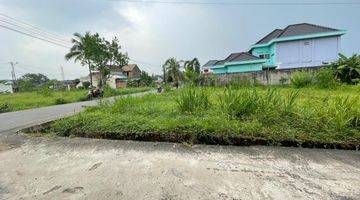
{"x": 108, "y": 91}
{"x": 5, "y": 107}
{"x": 283, "y": 80}
{"x": 86, "y": 84}
{"x": 302, "y": 79}
{"x": 325, "y": 78}
{"x": 46, "y": 92}
{"x": 192, "y": 99}
{"x": 167, "y": 87}
{"x": 83, "y": 98}
{"x": 60, "y": 100}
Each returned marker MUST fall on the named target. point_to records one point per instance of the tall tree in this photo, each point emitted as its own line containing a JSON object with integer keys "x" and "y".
{"x": 172, "y": 68}
{"x": 116, "y": 57}
{"x": 145, "y": 79}
{"x": 83, "y": 50}
{"x": 192, "y": 71}
{"x": 110, "y": 55}
{"x": 30, "y": 82}
{"x": 193, "y": 65}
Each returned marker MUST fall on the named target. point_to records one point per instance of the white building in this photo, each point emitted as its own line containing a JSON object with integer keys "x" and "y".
{"x": 6, "y": 87}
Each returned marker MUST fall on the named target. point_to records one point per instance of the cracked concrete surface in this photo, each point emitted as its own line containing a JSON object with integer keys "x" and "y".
{"x": 76, "y": 168}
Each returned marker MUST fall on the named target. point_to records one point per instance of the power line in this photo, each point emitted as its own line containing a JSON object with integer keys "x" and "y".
{"x": 242, "y": 3}
{"x": 35, "y": 27}
{"x": 35, "y": 32}
{"x": 30, "y": 35}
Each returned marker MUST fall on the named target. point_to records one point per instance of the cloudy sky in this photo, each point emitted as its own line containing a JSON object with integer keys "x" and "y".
{"x": 152, "y": 32}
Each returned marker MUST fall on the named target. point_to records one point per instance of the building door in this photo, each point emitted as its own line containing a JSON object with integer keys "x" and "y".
{"x": 306, "y": 51}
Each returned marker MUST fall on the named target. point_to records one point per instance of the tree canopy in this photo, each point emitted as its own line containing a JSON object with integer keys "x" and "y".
{"x": 96, "y": 53}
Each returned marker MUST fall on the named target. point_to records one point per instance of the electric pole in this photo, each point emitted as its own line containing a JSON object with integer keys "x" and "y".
{"x": 13, "y": 76}
{"x": 63, "y": 78}
{"x": 62, "y": 73}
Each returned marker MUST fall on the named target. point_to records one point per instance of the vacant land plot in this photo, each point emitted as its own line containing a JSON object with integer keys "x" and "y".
{"x": 26, "y": 100}
{"x": 308, "y": 117}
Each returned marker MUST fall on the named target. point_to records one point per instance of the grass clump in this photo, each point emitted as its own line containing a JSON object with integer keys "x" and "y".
{"x": 60, "y": 100}
{"x": 5, "y": 107}
{"x": 302, "y": 79}
{"x": 325, "y": 78}
{"x": 238, "y": 103}
{"x": 191, "y": 100}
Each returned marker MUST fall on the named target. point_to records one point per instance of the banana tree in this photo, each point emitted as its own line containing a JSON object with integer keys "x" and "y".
{"x": 348, "y": 69}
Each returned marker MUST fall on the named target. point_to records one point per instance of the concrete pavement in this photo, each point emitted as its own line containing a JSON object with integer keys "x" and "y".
{"x": 79, "y": 168}
{"x": 76, "y": 168}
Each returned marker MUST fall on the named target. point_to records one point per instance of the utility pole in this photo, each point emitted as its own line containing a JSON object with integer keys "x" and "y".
{"x": 62, "y": 73}
{"x": 63, "y": 77}
{"x": 13, "y": 76}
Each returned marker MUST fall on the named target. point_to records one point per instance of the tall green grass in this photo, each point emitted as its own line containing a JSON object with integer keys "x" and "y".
{"x": 192, "y": 100}
{"x": 302, "y": 78}
{"x": 322, "y": 78}
{"x": 271, "y": 114}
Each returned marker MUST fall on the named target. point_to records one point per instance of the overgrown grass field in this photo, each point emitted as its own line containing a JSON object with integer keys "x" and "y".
{"x": 309, "y": 117}
{"x": 41, "y": 98}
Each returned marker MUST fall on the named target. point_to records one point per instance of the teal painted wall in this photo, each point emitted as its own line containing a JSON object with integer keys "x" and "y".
{"x": 222, "y": 70}
{"x": 257, "y": 51}
{"x": 238, "y": 68}
{"x": 244, "y": 67}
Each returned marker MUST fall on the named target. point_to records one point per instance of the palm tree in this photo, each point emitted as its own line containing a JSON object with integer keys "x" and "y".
{"x": 172, "y": 70}
{"x": 193, "y": 65}
{"x": 81, "y": 52}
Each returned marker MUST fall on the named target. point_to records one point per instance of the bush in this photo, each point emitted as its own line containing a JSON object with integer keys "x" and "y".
{"x": 325, "y": 78}
{"x": 167, "y": 87}
{"x": 108, "y": 91}
{"x": 60, "y": 100}
{"x": 192, "y": 99}
{"x": 348, "y": 69}
{"x": 46, "y": 92}
{"x": 5, "y": 107}
{"x": 302, "y": 79}
{"x": 283, "y": 80}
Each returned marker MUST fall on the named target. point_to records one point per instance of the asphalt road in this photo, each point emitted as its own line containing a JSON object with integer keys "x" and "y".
{"x": 25, "y": 118}
{"x": 79, "y": 168}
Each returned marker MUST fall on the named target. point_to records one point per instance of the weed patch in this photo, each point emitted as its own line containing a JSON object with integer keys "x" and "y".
{"x": 309, "y": 117}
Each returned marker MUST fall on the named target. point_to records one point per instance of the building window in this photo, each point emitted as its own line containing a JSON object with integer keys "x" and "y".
{"x": 264, "y": 56}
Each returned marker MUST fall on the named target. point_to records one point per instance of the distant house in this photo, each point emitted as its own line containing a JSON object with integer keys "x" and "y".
{"x": 131, "y": 71}
{"x": 117, "y": 78}
{"x": 95, "y": 78}
{"x": 206, "y": 68}
{"x": 6, "y": 87}
{"x": 297, "y": 46}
